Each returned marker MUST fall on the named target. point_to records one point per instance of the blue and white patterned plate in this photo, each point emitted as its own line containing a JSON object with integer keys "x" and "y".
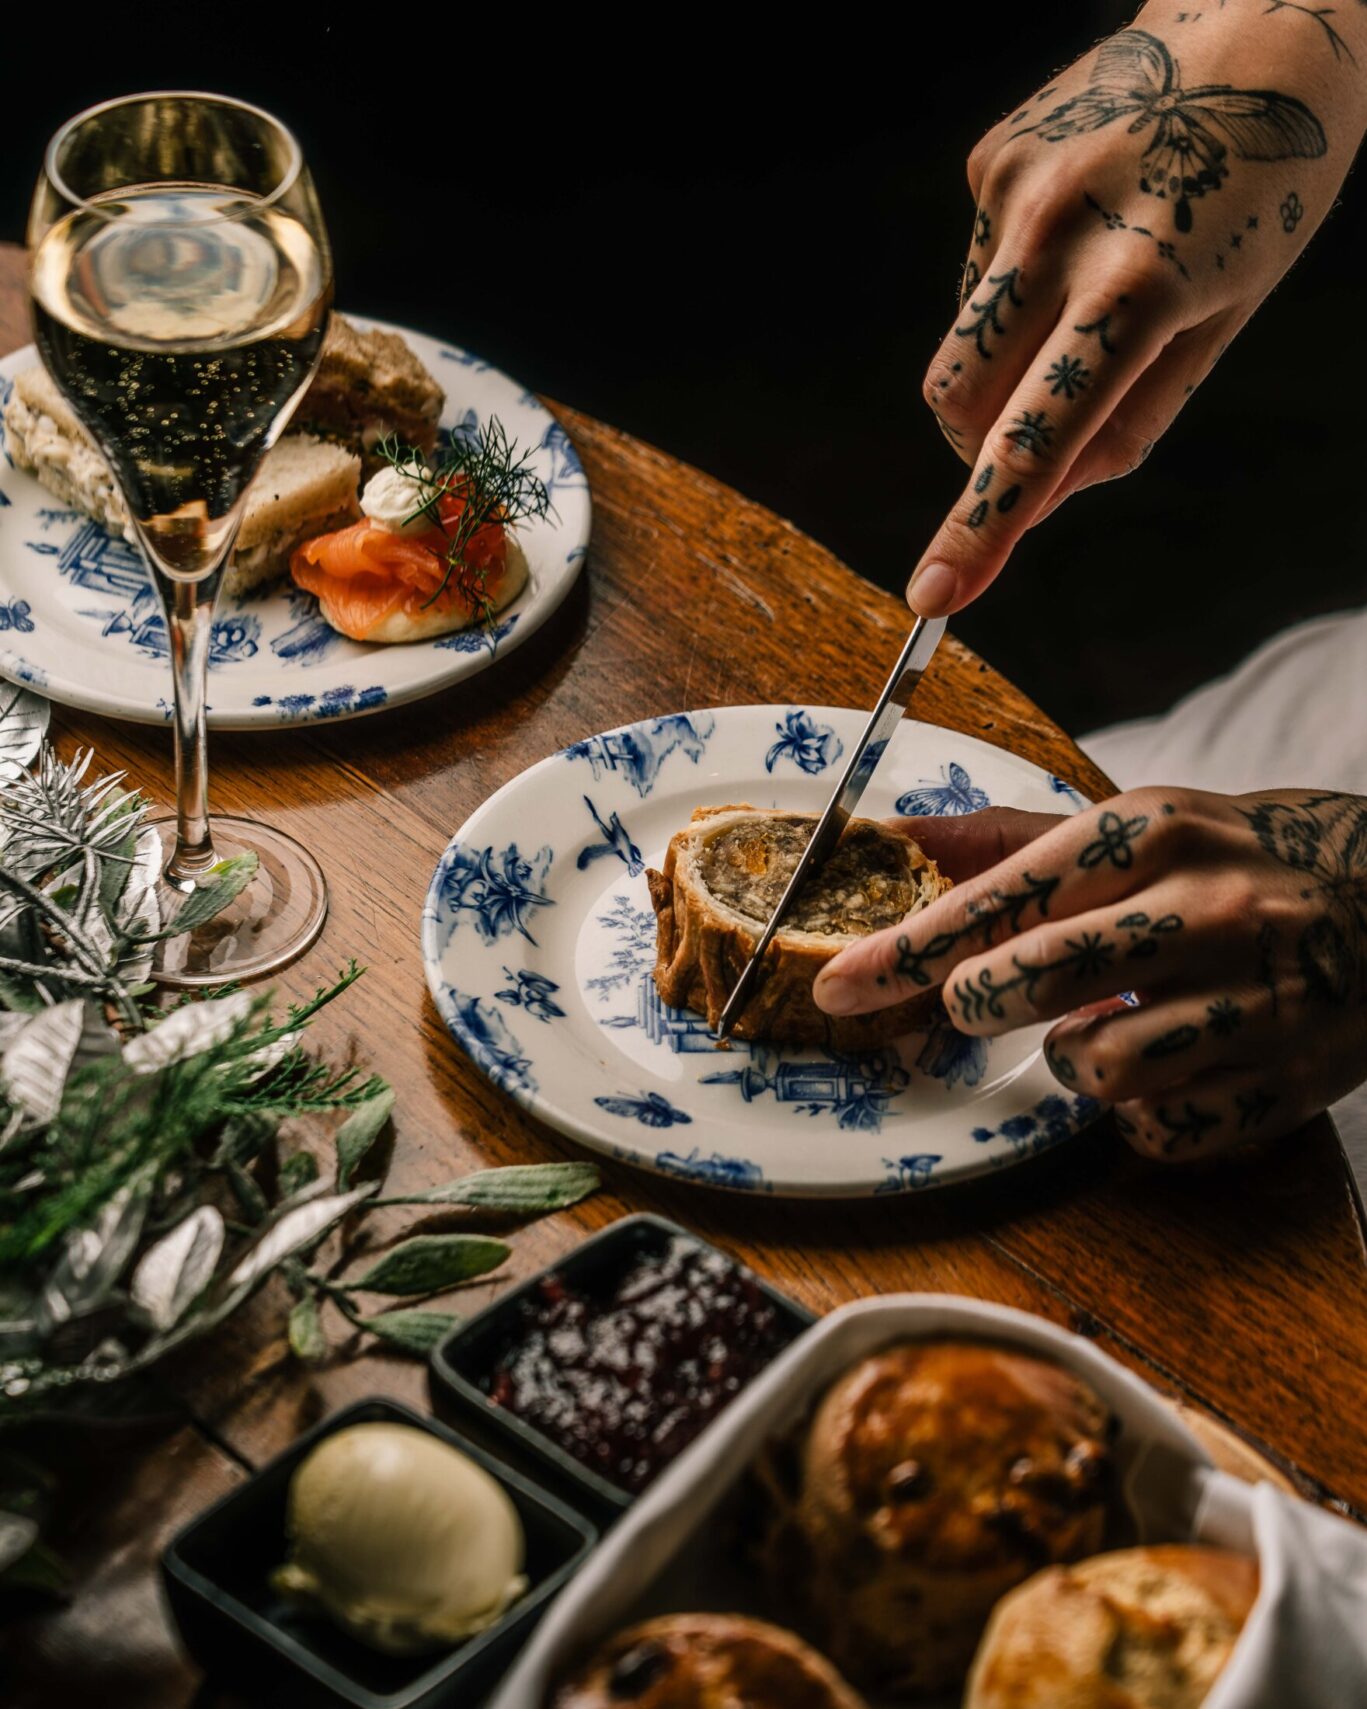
{"x": 539, "y": 939}
{"x": 80, "y": 622}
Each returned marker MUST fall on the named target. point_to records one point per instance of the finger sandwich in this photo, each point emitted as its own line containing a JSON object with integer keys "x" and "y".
{"x": 305, "y": 486}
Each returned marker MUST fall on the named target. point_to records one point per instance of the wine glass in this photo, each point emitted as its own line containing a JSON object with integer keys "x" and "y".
{"x": 181, "y": 281}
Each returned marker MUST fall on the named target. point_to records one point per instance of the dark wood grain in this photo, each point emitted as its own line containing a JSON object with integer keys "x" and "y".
{"x": 1242, "y": 1291}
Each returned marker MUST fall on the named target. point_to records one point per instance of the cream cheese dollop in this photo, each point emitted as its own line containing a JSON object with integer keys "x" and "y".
{"x": 401, "y": 1539}
{"x": 392, "y": 496}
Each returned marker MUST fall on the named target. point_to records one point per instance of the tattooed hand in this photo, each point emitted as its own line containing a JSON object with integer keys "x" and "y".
{"x": 1131, "y": 217}
{"x": 1238, "y": 922}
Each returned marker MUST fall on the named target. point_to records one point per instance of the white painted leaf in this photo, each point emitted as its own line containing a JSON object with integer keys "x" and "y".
{"x": 36, "y": 1062}
{"x": 23, "y": 723}
{"x": 171, "y": 1273}
{"x": 18, "y": 1534}
{"x": 295, "y": 1229}
{"x": 139, "y": 912}
{"x": 95, "y": 1256}
{"x": 186, "y": 1032}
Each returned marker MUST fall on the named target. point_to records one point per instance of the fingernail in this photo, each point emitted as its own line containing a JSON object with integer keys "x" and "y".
{"x": 835, "y": 994}
{"x": 932, "y": 590}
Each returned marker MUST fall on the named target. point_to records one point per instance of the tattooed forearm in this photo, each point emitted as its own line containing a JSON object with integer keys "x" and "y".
{"x": 1323, "y": 837}
{"x": 1008, "y": 907}
{"x": 1188, "y": 134}
{"x": 986, "y": 315}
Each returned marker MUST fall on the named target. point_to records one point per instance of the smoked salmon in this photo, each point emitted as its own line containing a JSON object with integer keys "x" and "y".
{"x": 375, "y": 584}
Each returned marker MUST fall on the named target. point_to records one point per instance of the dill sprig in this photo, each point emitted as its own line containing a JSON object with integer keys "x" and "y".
{"x": 497, "y": 484}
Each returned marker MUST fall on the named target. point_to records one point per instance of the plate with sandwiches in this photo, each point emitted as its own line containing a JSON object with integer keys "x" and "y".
{"x": 423, "y": 515}
{"x": 583, "y": 963}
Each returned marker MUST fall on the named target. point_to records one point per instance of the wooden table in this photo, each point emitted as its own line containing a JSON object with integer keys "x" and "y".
{"x": 1240, "y": 1291}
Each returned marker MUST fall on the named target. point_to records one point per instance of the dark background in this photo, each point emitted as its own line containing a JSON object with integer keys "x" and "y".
{"x": 745, "y": 247}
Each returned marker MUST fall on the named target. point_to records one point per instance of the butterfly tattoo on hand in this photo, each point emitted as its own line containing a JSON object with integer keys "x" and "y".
{"x": 1193, "y": 130}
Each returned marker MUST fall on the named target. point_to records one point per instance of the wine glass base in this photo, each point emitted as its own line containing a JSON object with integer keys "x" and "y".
{"x": 269, "y": 923}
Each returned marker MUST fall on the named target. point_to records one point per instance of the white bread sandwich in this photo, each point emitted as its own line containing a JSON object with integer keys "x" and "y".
{"x": 305, "y": 486}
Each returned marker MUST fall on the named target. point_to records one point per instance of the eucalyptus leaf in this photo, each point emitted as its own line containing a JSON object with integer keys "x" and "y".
{"x": 210, "y": 897}
{"x": 171, "y": 1274}
{"x": 429, "y": 1262}
{"x": 295, "y": 1229}
{"x": 36, "y": 1062}
{"x": 23, "y": 722}
{"x": 188, "y": 1031}
{"x": 359, "y": 1132}
{"x": 306, "y": 1331}
{"x": 524, "y": 1188}
{"x": 411, "y": 1328}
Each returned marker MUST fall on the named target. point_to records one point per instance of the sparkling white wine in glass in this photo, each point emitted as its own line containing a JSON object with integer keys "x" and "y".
{"x": 181, "y": 323}
{"x": 180, "y": 282}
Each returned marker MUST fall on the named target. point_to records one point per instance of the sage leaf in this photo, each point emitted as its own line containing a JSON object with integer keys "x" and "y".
{"x": 171, "y": 1274}
{"x": 307, "y": 1340}
{"x": 23, "y": 722}
{"x": 414, "y": 1330}
{"x": 187, "y": 1031}
{"x": 212, "y": 896}
{"x": 429, "y": 1262}
{"x": 359, "y": 1132}
{"x": 36, "y": 1063}
{"x": 525, "y": 1188}
{"x": 293, "y": 1230}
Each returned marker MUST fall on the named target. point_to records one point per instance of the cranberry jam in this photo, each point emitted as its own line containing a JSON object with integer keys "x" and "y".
{"x": 623, "y": 1382}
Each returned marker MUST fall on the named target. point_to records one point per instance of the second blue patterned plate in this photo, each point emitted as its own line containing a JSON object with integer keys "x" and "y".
{"x": 539, "y": 940}
{"x": 80, "y": 622}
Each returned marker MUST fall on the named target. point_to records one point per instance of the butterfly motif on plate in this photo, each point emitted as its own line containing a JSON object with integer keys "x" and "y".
{"x": 1190, "y": 132}
{"x": 954, "y": 796}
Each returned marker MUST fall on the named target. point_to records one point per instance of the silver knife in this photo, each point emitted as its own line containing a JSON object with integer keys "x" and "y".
{"x": 883, "y": 720}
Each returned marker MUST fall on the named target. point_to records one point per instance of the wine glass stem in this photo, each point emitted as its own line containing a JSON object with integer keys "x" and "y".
{"x": 189, "y": 621}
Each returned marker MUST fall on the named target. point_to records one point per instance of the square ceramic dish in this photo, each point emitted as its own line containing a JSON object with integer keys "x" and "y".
{"x": 470, "y": 1353}
{"x": 216, "y": 1573}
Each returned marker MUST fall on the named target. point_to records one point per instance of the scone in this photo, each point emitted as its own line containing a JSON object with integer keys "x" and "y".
{"x": 1138, "y": 1629}
{"x": 933, "y": 1478}
{"x": 706, "y": 1661}
{"x": 723, "y": 876}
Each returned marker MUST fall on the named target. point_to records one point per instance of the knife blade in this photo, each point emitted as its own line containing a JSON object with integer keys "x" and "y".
{"x": 883, "y": 720}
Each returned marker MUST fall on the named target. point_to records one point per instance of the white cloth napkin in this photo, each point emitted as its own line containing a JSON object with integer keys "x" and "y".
{"x": 1305, "y": 1645}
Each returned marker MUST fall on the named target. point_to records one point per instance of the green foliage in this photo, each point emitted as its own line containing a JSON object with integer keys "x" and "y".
{"x": 146, "y": 1191}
